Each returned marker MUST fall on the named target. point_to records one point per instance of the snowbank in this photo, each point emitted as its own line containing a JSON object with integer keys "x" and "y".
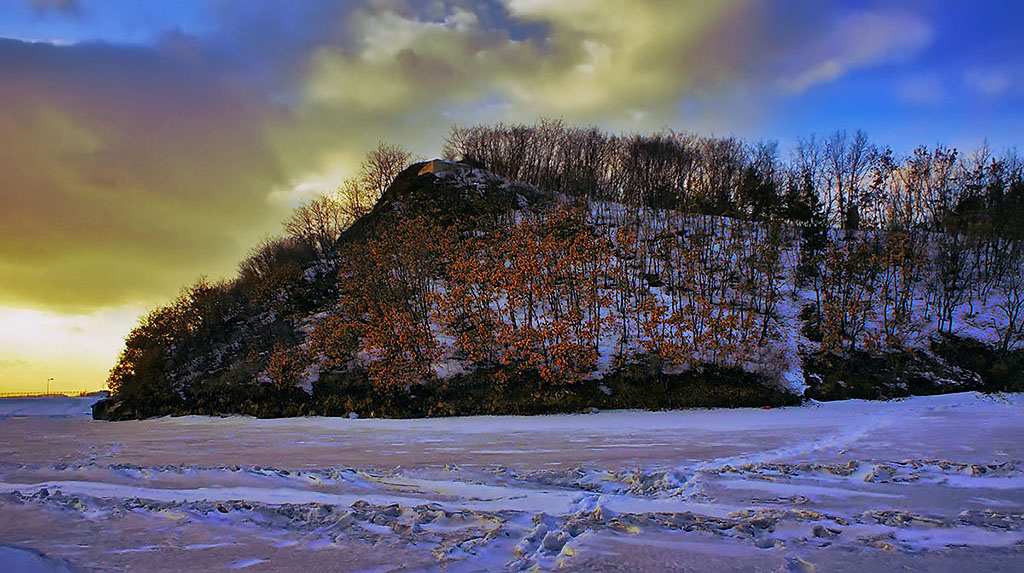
{"x": 51, "y": 406}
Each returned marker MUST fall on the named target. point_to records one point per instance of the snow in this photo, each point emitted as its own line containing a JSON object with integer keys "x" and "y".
{"x": 245, "y": 563}
{"x": 19, "y": 560}
{"x": 53, "y": 406}
{"x": 935, "y": 481}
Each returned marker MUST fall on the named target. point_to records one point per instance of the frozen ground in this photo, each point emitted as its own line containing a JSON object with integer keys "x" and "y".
{"x": 933, "y": 483}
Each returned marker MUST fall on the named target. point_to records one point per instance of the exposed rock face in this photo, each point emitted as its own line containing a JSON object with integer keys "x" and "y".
{"x": 450, "y": 193}
{"x": 440, "y": 166}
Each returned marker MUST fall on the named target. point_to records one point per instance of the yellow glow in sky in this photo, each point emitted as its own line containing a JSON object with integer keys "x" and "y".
{"x": 77, "y": 351}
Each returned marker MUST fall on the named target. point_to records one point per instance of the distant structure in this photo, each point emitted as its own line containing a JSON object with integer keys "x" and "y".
{"x": 440, "y": 167}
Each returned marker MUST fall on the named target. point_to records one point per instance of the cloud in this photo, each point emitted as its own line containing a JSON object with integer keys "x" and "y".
{"x": 859, "y": 40}
{"x": 989, "y": 82}
{"x": 125, "y": 171}
{"x": 407, "y": 72}
{"x": 608, "y": 57}
{"x": 820, "y": 73}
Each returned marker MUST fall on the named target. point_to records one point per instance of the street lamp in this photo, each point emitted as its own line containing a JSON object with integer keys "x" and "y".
{"x": 48, "y": 380}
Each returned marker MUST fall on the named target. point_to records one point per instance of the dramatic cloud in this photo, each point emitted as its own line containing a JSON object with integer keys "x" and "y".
{"x": 407, "y": 73}
{"x": 125, "y": 171}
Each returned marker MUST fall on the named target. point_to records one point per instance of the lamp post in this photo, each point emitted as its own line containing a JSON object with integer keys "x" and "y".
{"x": 48, "y": 380}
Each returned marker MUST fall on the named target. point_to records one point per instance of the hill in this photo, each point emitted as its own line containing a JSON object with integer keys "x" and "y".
{"x": 465, "y": 291}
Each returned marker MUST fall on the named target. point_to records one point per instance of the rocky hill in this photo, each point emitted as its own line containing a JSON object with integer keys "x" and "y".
{"x": 463, "y": 292}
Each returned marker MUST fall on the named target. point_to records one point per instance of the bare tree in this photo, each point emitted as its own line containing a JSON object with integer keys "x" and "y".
{"x": 272, "y": 253}
{"x": 949, "y": 278}
{"x": 1012, "y": 303}
{"x": 355, "y": 199}
{"x": 317, "y": 223}
{"x": 847, "y": 163}
{"x": 381, "y": 166}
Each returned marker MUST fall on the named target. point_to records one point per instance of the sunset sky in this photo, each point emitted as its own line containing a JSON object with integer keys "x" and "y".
{"x": 146, "y": 143}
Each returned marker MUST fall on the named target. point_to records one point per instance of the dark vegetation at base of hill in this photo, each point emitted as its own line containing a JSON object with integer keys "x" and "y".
{"x": 638, "y": 385}
{"x": 955, "y": 364}
{"x": 895, "y": 374}
{"x": 1000, "y": 370}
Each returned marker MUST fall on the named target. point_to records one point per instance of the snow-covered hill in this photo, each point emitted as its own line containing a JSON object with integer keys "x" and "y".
{"x": 464, "y": 292}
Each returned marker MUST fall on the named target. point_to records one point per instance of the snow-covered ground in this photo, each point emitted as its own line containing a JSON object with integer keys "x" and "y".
{"x": 933, "y": 483}
{"x": 48, "y": 406}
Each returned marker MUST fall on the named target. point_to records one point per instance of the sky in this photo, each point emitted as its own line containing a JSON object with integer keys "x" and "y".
{"x": 144, "y": 144}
